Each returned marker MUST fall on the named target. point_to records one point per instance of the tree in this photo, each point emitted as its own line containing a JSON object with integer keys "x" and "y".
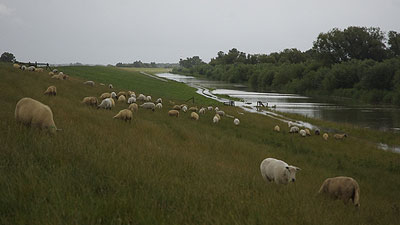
{"x": 190, "y": 62}
{"x": 7, "y": 57}
{"x": 394, "y": 42}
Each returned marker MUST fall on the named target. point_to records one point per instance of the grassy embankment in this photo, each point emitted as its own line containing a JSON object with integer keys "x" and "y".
{"x": 162, "y": 170}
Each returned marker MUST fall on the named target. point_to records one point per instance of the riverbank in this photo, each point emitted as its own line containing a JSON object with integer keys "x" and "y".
{"x": 159, "y": 169}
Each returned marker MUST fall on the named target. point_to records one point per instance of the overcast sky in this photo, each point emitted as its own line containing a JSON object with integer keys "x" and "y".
{"x": 111, "y": 31}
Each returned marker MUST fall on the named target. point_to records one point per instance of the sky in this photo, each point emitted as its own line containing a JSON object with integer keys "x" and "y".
{"x": 164, "y": 31}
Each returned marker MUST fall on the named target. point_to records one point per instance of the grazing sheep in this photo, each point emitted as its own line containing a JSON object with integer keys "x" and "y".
{"x": 141, "y": 97}
{"x": 308, "y": 132}
{"x": 210, "y": 108}
{"x": 216, "y": 119}
{"x": 31, "y": 68}
{"x": 60, "y": 73}
{"x": 52, "y": 90}
{"x": 278, "y": 171}
{"x": 23, "y": 67}
{"x": 183, "y": 105}
{"x": 124, "y": 114}
{"x": 101, "y": 84}
{"x": 290, "y": 124}
{"x": 122, "y": 93}
{"x": 121, "y": 98}
{"x": 236, "y": 121}
{"x": 158, "y": 105}
{"x": 294, "y": 129}
{"x": 325, "y": 136}
{"x": 339, "y": 136}
{"x": 148, "y": 98}
{"x": 303, "y": 133}
{"x": 344, "y": 188}
{"x": 110, "y": 86}
{"x": 173, "y": 113}
{"x": 317, "y": 131}
{"x": 89, "y": 82}
{"x": 133, "y": 94}
{"x": 105, "y": 104}
{"x": 55, "y": 71}
{"x": 193, "y": 109}
{"x": 17, "y": 66}
{"x": 184, "y": 109}
{"x": 31, "y": 112}
{"x": 176, "y": 107}
{"x": 39, "y": 70}
{"x": 113, "y": 95}
{"x": 202, "y": 111}
{"x": 131, "y": 100}
{"x": 133, "y": 107}
{"x": 217, "y": 115}
{"x": 277, "y": 128}
{"x": 159, "y": 100}
{"x": 105, "y": 95}
{"x": 112, "y": 101}
{"x": 51, "y": 74}
{"x": 58, "y": 77}
{"x": 148, "y": 105}
{"x": 92, "y": 101}
{"x": 216, "y": 108}
{"x": 220, "y": 112}
{"x": 194, "y": 116}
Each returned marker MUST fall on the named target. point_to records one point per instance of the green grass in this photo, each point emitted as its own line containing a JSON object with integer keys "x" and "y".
{"x": 147, "y": 70}
{"x": 163, "y": 170}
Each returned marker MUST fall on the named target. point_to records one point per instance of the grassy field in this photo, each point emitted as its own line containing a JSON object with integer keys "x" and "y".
{"x": 147, "y": 70}
{"x": 163, "y": 170}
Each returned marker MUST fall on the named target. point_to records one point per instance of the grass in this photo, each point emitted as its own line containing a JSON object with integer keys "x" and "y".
{"x": 163, "y": 170}
{"x": 147, "y": 70}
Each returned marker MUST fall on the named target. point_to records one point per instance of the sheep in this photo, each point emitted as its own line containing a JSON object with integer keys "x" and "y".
{"x": 290, "y": 124}
{"x": 278, "y": 171}
{"x": 220, "y": 112}
{"x": 65, "y": 77}
{"x": 277, "y": 128}
{"x": 141, "y": 97}
{"x": 325, "y": 136}
{"x": 17, "y": 66}
{"x": 51, "y": 74}
{"x": 216, "y": 108}
{"x": 110, "y": 86}
{"x": 55, "y": 71}
{"x": 173, "y": 113}
{"x": 101, "y": 84}
{"x": 89, "y": 82}
{"x": 124, "y": 114}
{"x": 202, "y": 111}
{"x": 58, "y": 77}
{"x": 121, "y": 98}
{"x": 23, "y": 67}
{"x": 39, "y": 70}
{"x": 92, "y": 101}
{"x": 184, "y": 108}
{"x": 210, "y": 108}
{"x": 112, "y": 101}
{"x": 183, "y": 105}
{"x": 236, "y": 121}
{"x": 31, "y": 112}
{"x": 133, "y": 107}
{"x": 159, "y": 100}
{"x": 294, "y": 129}
{"x": 344, "y": 188}
{"x": 148, "y": 105}
{"x": 303, "y": 133}
{"x": 121, "y": 93}
{"x": 317, "y": 131}
{"x": 339, "y": 136}
{"x": 158, "y": 105}
{"x": 217, "y": 115}
{"x": 308, "y": 132}
{"x": 52, "y": 90}
{"x": 194, "y": 116}
{"x": 176, "y": 107}
{"x": 133, "y": 94}
{"x": 31, "y": 68}
{"x": 131, "y": 100}
{"x": 113, "y": 95}
{"x": 148, "y": 98}
{"x": 105, "y": 95}
{"x": 216, "y": 119}
{"x": 60, "y": 73}
{"x": 106, "y": 104}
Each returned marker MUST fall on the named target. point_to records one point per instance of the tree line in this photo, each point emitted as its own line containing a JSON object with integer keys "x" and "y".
{"x": 357, "y": 62}
{"x": 140, "y": 64}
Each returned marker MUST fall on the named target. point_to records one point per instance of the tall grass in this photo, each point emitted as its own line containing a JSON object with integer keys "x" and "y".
{"x": 163, "y": 170}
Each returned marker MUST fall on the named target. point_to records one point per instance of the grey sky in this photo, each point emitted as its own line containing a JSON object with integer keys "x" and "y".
{"x": 111, "y": 31}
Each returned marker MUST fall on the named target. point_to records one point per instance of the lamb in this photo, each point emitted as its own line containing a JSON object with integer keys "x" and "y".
{"x": 124, "y": 114}
{"x": 220, "y": 112}
{"x": 92, "y": 101}
{"x": 210, "y": 108}
{"x": 121, "y": 98}
{"x": 141, "y": 97}
{"x": 344, "y": 188}
{"x": 39, "y": 70}
{"x": 148, "y": 105}
{"x": 216, "y": 119}
{"x": 52, "y": 90}
{"x": 31, "y": 112}
{"x": 193, "y": 109}
{"x": 176, "y": 107}
{"x": 325, "y": 136}
{"x": 17, "y": 66}
{"x": 308, "y": 132}
{"x": 216, "y": 108}
{"x": 105, "y": 95}
{"x": 131, "y": 100}
{"x": 303, "y": 133}
{"x": 110, "y": 86}
{"x": 173, "y": 113}
{"x": 184, "y": 108}
{"x": 236, "y": 121}
{"x": 277, "y": 128}
{"x": 339, "y": 136}
{"x": 133, "y": 107}
{"x": 58, "y": 77}
{"x": 194, "y": 116}
{"x": 202, "y": 111}
{"x": 106, "y": 104}
{"x": 294, "y": 129}
{"x": 158, "y": 105}
{"x": 278, "y": 171}
{"x": 113, "y": 95}
{"x": 317, "y": 131}
{"x": 148, "y": 98}
{"x": 159, "y": 100}
{"x": 89, "y": 82}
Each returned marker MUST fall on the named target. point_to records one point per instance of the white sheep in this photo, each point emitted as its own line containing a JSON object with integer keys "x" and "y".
{"x": 91, "y": 101}
{"x": 121, "y": 98}
{"x": 278, "y": 171}
{"x": 17, "y": 66}
{"x": 236, "y": 121}
{"x": 216, "y": 108}
{"x": 89, "y": 82}
{"x": 216, "y": 119}
{"x": 110, "y": 86}
{"x": 210, "y": 108}
{"x": 277, "y": 128}
{"x": 148, "y": 105}
{"x": 141, "y": 97}
{"x": 173, "y": 113}
{"x": 113, "y": 95}
{"x": 303, "y": 133}
{"x": 159, "y": 105}
{"x": 52, "y": 90}
{"x": 105, "y": 95}
{"x": 131, "y": 100}
{"x": 55, "y": 71}
{"x": 194, "y": 116}
{"x": 23, "y": 67}
{"x": 220, "y": 112}
{"x": 105, "y": 104}
{"x": 148, "y": 98}
{"x": 184, "y": 108}
{"x": 202, "y": 111}
{"x": 124, "y": 114}
{"x": 294, "y": 129}
{"x": 31, "y": 68}
{"x": 31, "y": 112}
{"x": 159, "y": 100}
{"x": 133, "y": 107}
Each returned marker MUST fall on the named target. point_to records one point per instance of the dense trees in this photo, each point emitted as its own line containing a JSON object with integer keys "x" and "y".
{"x": 7, "y": 57}
{"x": 357, "y": 62}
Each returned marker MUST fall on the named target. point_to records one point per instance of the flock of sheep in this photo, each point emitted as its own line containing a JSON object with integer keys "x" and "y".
{"x": 32, "y": 112}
